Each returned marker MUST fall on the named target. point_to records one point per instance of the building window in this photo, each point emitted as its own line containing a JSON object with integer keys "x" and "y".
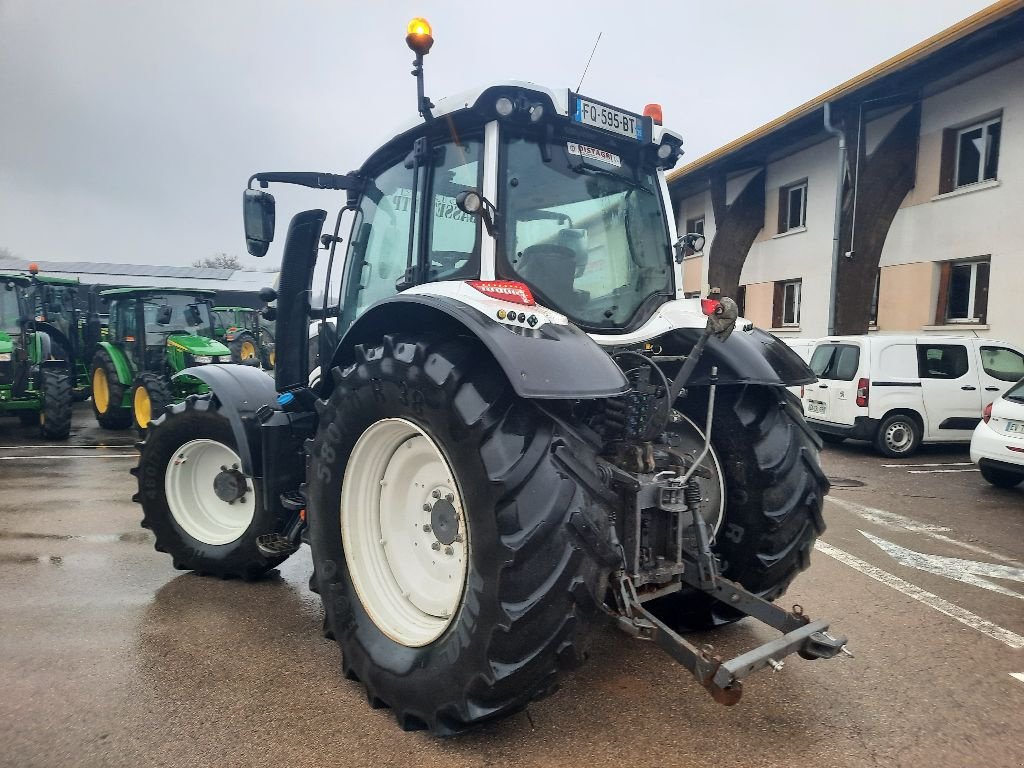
{"x": 695, "y": 226}
{"x": 786, "y": 304}
{"x": 970, "y": 155}
{"x": 963, "y": 292}
{"x": 792, "y": 207}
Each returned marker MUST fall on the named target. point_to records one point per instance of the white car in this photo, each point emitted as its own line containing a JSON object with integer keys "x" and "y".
{"x": 998, "y": 443}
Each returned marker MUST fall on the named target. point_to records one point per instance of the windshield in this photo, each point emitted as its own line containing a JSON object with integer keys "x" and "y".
{"x": 171, "y": 313}
{"x": 585, "y": 230}
{"x": 9, "y": 311}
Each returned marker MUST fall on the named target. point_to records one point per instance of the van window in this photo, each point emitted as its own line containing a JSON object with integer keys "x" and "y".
{"x": 838, "y": 362}
{"x": 941, "y": 361}
{"x": 1002, "y": 363}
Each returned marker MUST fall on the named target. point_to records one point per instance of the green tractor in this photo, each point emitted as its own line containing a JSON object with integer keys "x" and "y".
{"x": 247, "y": 338}
{"x": 35, "y": 383}
{"x": 154, "y": 333}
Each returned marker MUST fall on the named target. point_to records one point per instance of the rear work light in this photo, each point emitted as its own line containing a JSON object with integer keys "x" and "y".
{"x": 863, "y": 390}
{"x": 987, "y": 413}
{"x": 506, "y": 290}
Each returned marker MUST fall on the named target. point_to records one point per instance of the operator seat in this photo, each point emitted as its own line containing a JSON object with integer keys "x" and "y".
{"x": 552, "y": 270}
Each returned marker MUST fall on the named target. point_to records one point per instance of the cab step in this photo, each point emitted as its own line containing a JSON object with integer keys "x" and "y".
{"x": 275, "y": 545}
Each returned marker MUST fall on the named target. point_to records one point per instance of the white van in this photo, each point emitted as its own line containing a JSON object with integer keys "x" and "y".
{"x": 900, "y": 391}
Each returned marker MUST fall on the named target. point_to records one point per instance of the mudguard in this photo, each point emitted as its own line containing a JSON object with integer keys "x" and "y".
{"x": 241, "y": 390}
{"x": 551, "y": 362}
{"x": 121, "y": 364}
{"x": 746, "y": 357}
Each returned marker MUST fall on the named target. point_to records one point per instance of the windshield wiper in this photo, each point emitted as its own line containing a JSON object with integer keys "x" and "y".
{"x": 590, "y": 170}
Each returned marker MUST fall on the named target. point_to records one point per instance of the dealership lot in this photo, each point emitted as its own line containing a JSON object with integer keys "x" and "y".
{"x": 110, "y": 656}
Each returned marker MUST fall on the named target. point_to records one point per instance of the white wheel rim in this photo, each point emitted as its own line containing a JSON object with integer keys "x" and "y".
{"x": 194, "y": 505}
{"x": 409, "y": 576}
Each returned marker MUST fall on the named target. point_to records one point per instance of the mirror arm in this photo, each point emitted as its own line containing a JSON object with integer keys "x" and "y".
{"x": 312, "y": 179}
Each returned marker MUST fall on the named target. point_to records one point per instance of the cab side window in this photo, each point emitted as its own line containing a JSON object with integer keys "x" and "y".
{"x": 454, "y": 236}
{"x": 1002, "y": 363}
{"x": 942, "y": 361}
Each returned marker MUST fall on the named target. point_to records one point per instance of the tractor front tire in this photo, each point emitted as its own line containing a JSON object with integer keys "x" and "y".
{"x": 774, "y": 494}
{"x": 243, "y": 348}
{"x": 151, "y": 394}
{"x": 55, "y": 417}
{"x": 453, "y": 578}
{"x": 204, "y": 512}
{"x": 108, "y": 393}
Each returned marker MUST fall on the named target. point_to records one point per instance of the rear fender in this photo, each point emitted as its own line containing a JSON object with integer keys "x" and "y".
{"x": 241, "y": 391}
{"x": 745, "y": 357}
{"x": 550, "y": 362}
{"x": 121, "y": 364}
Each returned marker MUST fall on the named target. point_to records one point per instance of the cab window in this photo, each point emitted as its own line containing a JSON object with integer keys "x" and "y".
{"x": 454, "y": 236}
{"x": 1002, "y": 363}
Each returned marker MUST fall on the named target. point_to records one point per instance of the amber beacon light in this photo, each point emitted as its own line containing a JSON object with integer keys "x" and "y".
{"x": 419, "y": 36}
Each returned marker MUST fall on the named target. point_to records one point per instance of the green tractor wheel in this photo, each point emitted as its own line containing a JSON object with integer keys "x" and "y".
{"x": 108, "y": 393}
{"x": 151, "y": 394}
{"x": 55, "y": 417}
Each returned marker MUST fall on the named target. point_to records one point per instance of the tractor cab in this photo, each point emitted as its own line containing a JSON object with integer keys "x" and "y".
{"x": 154, "y": 333}
{"x": 244, "y": 334}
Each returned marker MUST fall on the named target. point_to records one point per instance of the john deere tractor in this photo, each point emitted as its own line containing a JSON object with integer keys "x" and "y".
{"x": 522, "y": 428}
{"x": 35, "y": 380}
{"x": 154, "y": 333}
{"x": 245, "y": 335}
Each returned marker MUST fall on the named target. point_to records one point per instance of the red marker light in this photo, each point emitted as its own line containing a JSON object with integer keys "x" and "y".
{"x": 33, "y": 268}
{"x": 708, "y": 306}
{"x": 653, "y": 111}
{"x": 505, "y": 290}
{"x": 863, "y": 389}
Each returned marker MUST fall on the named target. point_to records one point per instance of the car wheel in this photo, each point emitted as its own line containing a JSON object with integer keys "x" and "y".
{"x": 898, "y": 436}
{"x": 1000, "y": 478}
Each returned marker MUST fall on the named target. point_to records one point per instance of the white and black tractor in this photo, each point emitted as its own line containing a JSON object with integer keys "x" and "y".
{"x": 522, "y": 429}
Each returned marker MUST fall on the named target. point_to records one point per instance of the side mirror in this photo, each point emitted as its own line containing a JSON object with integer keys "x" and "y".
{"x": 258, "y": 217}
{"x": 688, "y": 244}
{"x": 163, "y": 314}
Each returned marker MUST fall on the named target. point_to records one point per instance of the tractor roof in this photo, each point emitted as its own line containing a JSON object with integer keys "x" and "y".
{"x": 149, "y": 291}
{"x": 22, "y": 279}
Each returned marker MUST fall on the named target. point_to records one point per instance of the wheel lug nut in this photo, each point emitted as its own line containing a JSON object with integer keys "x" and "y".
{"x": 426, "y": 529}
{"x": 426, "y": 507}
{"x": 449, "y": 551}
{"x": 223, "y": 468}
{"x": 436, "y": 494}
{"x": 449, "y": 498}
{"x": 435, "y": 546}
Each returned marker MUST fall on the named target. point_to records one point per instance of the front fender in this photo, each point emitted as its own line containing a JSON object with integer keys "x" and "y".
{"x": 121, "y": 364}
{"x": 241, "y": 391}
{"x": 551, "y": 362}
{"x": 746, "y": 357}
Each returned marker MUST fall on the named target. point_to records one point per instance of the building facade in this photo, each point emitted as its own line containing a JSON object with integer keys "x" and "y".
{"x": 903, "y": 189}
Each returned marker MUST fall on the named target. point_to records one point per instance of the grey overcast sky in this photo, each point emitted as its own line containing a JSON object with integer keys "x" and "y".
{"x": 128, "y": 129}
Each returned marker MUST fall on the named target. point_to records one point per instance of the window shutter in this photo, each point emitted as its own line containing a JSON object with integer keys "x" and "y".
{"x": 948, "y": 162}
{"x": 777, "y": 300}
{"x": 981, "y": 292}
{"x": 783, "y": 209}
{"x": 940, "y": 305}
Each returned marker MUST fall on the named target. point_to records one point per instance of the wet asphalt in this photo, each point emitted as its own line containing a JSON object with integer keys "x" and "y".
{"x": 110, "y": 657}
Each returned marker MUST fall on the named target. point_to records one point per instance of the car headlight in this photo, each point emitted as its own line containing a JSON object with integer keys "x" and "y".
{"x": 200, "y": 359}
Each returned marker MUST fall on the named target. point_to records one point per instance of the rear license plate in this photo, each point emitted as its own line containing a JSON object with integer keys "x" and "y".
{"x": 1017, "y": 427}
{"x": 608, "y": 118}
{"x": 815, "y": 406}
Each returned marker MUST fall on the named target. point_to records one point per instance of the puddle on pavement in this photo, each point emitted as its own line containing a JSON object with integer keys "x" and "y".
{"x": 8, "y": 559}
{"x": 135, "y": 537}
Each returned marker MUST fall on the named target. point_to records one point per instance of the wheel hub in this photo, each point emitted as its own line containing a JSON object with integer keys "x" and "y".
{"x": 230, "y": 485}
{"x": 444, "y": 521}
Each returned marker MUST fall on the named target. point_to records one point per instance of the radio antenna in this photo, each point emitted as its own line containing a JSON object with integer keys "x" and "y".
{"x": 588, "y": 61}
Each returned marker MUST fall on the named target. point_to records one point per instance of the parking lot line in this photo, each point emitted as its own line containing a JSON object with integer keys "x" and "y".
{"x": 946, "y": 464}
{"x": 1018, "y": 676}
{"x": 933, "y": 471}
{"x": 972, "y": 620}
{"x": 72, "y": 456}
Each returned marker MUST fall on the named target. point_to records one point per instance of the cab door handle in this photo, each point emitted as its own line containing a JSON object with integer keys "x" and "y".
{"x": 991, "y": 389}
{"x": 968, "y": 388}
{"x": 823, "y": 386}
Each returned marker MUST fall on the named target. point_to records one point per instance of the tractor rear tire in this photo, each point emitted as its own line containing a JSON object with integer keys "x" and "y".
{"x": 108, "y": 393}
{"x": 243, "y": 348}
{"x": 55, "y": 417}
{"x": 151, "y": 394}
{"x": 774, "y": 490}
{"x": 529, "y": 591}
{"x": 186, "y": 451}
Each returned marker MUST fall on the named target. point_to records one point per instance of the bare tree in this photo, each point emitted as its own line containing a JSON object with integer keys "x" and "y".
{"x": 219, "y": 261}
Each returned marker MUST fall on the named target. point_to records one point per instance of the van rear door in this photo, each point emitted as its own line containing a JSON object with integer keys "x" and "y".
{"x": 833, "y": 397}
{"x": 949, "y": 383}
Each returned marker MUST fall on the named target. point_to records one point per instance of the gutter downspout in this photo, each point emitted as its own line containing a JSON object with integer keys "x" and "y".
{"x": 837, "y": 225}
